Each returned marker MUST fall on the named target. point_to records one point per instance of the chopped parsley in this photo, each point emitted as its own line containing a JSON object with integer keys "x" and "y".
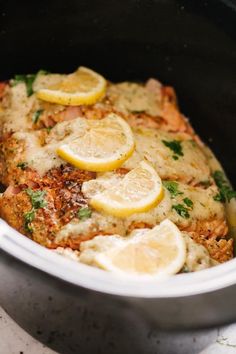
{"x": 28, "y": 80}
{"x": 172, "y": 187}
{"x": 181, "y": 210}
{"x": 37, "y": 198}
{"x": 84, "y": 213}
{"x": 22, "y": 165}
{"x": 193, "y": 142}
{"x": 28, "y": 218}
{"x": 205, "y": 183}
{"x": 188, "y": 202}
{"x": 175, "y": 146}
{"x": 219, "y": 198}
{"x": 36, "y": 115}
{"x": 226, "y": 193}
{"x": 185, "y": 269}
{"x": 48, "y": 129}
{"x": 37, "y": 201}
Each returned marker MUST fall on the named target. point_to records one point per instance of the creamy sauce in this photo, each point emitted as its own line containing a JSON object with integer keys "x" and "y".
{"x": 68, "y": 253}
{"x": 15, "y": 116}
{"x": 44, "y": 157}
{"x": 197, "y": 257}
{"x": 204, "y": 208}
{"x": 230, "y": 206}
{"x": 131, "y": 97}
{"x": 212, "y": 161}
{"x": 46, "y": 81}
{"x": 40, "y": 158}
{"x": 149, "y": 146}
{"x": 97, "y": 223}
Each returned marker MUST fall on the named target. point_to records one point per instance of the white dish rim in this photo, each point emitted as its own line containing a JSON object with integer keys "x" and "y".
{"x": 37, "y": 256}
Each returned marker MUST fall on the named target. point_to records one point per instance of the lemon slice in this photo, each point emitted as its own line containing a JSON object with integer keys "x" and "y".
{"x": 155, "y": 253}
{"x": 84, "y": 86}
{"x": 139, "y": 191}
{"x": 104, "y": 145}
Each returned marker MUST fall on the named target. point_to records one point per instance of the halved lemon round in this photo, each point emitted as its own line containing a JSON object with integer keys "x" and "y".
{"x": 104, "y": 146}
{"x": 139, "y": 191}
{"x": 155, "y": 253}
{"x": 84, "y": 86}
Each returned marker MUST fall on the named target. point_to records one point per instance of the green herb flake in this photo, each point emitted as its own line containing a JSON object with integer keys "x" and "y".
{"x": 37, "y": 198}
{"x": 28, "y": 80}
{"x": 188, "y": 202}
{"x": 181, "y": 210}
{"x": 172, "y": 187}
{"x": 48, "y": 129}
{"x": 193, "y": 143}
{"x": 22, "y": 165}
{"x": 84, "y": 213}
{"x": 226, "y": 193}
{"x": 37, "y": 201}
{"x": 205, "y": 183}
{"x": 185, "y": 269}
{"x": 175, "y": 146}
{"x": 28, "y": 218}
{"x": 219, "y": 198}
{"x": 36, "y": 115}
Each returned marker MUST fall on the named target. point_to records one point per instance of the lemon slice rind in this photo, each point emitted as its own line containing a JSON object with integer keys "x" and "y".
{"x": 101, "y": 164}
{"x": 93, "y": 164}
{"x": 75, "y": 98}
{"x": 104, "y": 202}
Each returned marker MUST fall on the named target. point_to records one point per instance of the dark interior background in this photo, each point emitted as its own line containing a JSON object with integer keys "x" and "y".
{"x": 188, "y": 44}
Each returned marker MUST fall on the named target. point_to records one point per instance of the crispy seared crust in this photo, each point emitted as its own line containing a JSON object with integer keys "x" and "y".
{"x": 63, "y": 184}
{"x": 220, "y": 249}
{"x": 63, "y": 196}
{"x": 208, "y": 228}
